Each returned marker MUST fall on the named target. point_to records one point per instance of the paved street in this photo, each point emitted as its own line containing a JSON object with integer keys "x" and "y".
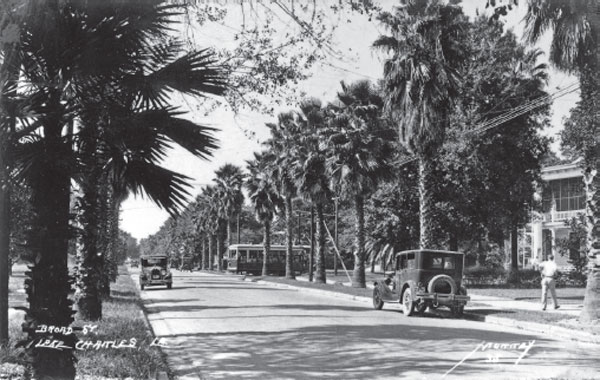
{"x": 220, "y": 327}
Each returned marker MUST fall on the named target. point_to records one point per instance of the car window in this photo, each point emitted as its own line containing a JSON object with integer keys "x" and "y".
{"x": 437, "y": 262}
{"x": 152, "y": 262}
{"x": 407, "y": 261}
{"x": 401, "y": 262}
{"x": 449, "y": 262}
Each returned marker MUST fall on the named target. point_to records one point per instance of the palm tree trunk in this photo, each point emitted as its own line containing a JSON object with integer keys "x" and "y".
{"x": 10, "y": 67}
{"x": 426, "y": 203}
{"x": 49, "y": 283}
{"x": 4, "y": 246}
{"x": 211, "y": 252}
{"x": 320, "y": 258}
{"x": 591, "y": 300}
{"x": 105, "y": 245}
{"x": 229, "y": 233}
{"x": 289, "y": 269}
{"x": 203, "y": 261}
{"x": 89, "y": 302}
{"x": 358, "y": 278}
{"x": 219, "y": 244}
{"x": 266, "y": 246}
{"x": 311, "y": 257}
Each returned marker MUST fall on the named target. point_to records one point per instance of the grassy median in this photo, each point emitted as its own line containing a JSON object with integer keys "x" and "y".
{"x": 122, "y": 320}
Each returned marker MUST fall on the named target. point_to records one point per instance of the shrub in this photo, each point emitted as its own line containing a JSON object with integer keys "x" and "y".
{"x": 484, "y": 276}
{"x": 524, "y": 278}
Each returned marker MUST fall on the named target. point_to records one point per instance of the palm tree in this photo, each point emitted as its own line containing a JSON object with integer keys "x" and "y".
{"x": 282, "y": 145}
{"x": 264, "y": 196}
{"x": 128, "y": 107}
{"x": 359, "y": 150}
{"x": 575, "y": 47}
{"x": 212, "y": 222}
{"x": 68, "y": 60}
{"x": 229, "y": 180}
{"x": 199, "y": 218}
{"x": 310, "y": 171}
{"x": 420, "y": 82}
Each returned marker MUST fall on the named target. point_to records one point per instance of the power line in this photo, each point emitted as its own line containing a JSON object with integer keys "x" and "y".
{"x": 512, "y": 114}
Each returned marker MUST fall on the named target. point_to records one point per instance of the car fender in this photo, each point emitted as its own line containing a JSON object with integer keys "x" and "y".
{"x": 387, "y": 294}
{"x": 411, "y": 286}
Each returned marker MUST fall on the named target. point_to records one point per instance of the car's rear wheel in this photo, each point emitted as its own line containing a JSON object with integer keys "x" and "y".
{"x": 408, "y": 305}
{"x": 377, "y": 301}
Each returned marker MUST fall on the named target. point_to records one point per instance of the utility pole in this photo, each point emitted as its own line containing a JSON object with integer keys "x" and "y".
{"x": 238, "y": 228}
{"x": 335, "y": 263}
{"x": 312, "y": 243}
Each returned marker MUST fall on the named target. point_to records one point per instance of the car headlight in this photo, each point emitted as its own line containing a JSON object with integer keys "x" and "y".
{"x": 163, "y": 272}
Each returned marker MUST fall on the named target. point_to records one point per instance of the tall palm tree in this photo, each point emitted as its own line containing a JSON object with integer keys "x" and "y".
{"x": 264, "y": 196}
{"x": 359, "y": 152}
{"x": 126, "y": 107}
{"x": 575, "y": 48}
{"x": 282, "y": 145}
{"x": 310, "y": 171}
{"x": 201, "y": 227}
{"x": 420, "y": 82}
{"x": 212, "y": 222}
{"x": 229, "y": 180}
{"x": 68, "y": 59}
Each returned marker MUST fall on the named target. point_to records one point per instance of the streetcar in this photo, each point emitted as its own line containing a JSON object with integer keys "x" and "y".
{"x": 248, "y": 259}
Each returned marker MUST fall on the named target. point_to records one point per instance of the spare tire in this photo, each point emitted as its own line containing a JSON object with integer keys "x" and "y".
{"x": 440, "y": 281}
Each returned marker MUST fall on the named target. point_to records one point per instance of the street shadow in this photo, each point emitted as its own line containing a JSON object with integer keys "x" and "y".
{"x": 253, "y": 288}
{"x": 490, "y": 311}
{"x": 153, "y": 308}
{"x": 352, "y": 352}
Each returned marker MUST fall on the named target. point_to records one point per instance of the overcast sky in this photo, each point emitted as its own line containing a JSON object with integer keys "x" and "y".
{"x": 240, "y": 134}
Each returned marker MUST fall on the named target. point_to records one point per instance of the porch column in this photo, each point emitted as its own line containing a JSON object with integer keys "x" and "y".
{"x": 536, "y": 241}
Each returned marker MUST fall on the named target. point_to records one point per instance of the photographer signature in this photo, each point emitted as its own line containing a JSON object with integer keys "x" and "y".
{"x": 522, "y": 348}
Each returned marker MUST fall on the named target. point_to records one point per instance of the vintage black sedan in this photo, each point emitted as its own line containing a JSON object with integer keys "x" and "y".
{"x": 154, "y": 270}
{"x": 422, "y": 279}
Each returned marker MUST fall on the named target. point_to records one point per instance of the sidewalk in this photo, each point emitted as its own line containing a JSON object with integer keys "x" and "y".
{"x": 483, "y": 307}
{"x": 570, "y": 310}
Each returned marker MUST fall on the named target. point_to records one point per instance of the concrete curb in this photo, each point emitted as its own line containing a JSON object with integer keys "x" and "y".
{"x": 540, "y": 328}
{"x": 160, "y": 375}
{"x": 326, "y": 293}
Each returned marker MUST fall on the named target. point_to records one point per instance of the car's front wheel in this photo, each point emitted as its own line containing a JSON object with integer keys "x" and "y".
{"x": 377, "y": 301}
{"x": 408, "y": 305}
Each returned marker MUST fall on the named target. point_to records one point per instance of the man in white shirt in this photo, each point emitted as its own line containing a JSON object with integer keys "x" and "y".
{"x": 549, "y": 269}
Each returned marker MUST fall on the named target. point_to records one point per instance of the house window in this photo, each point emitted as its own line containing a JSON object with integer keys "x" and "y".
{"x": 568, "y": 194}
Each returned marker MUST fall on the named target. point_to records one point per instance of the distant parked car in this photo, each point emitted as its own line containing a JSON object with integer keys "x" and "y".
{"x": 155, "y": 271}
{"x": 422, "y": 279}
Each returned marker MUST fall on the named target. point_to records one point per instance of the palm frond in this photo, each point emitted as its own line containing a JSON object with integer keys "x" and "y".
{"x": 195, "y": 73}
{"x": 164, "y": 187}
